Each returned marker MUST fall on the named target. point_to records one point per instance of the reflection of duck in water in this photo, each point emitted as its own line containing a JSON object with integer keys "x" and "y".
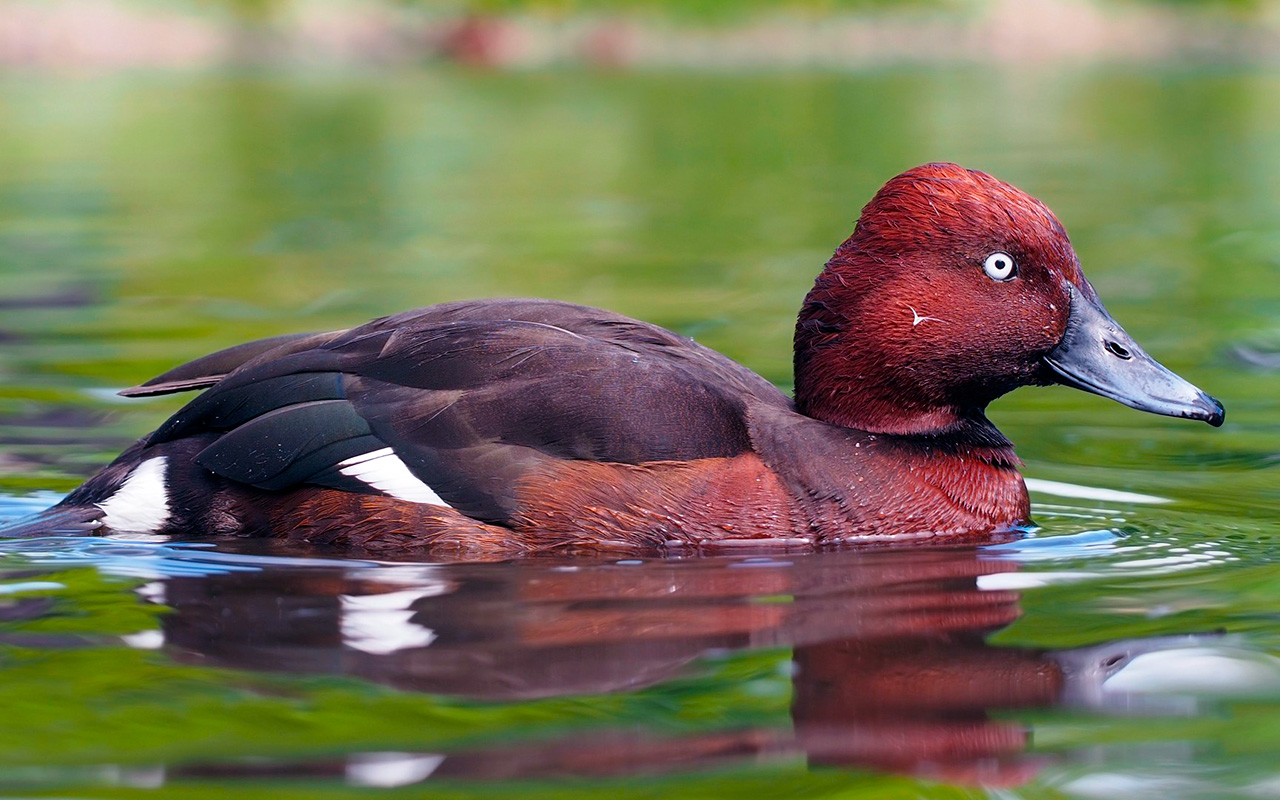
{"x": 525, "y": 425}
{"x": 891, "y": 667}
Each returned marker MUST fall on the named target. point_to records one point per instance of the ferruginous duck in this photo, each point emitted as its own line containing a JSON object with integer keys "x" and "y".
{"x": 510, "y": 426}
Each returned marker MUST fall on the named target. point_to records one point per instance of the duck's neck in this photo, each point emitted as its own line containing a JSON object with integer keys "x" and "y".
{"x": 865, "y": 405}
{"x": 876, "y": 408}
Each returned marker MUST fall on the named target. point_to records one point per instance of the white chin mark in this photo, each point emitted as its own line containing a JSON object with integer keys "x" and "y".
{"x": 384, "y": 471}
{"x": 141, "y": 504}
{"x": 917, "y": 318}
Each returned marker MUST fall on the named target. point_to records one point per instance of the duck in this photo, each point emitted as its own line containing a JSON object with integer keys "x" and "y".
{"x": 519, "y": 426}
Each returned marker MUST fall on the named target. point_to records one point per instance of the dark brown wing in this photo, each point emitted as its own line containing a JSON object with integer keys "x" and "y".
{"x": 472, "y": 397}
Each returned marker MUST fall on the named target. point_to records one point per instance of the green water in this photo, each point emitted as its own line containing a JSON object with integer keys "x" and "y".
{"x": 1128, "y": 649}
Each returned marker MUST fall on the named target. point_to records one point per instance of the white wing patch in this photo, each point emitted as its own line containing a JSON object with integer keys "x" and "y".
{"x": 384, "y": 471}
{"x": 141, "y": 504}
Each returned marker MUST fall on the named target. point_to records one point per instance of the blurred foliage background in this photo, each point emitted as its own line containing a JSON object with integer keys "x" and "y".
{"x": 713, "y": 9}
{"x": 656, "y": 33}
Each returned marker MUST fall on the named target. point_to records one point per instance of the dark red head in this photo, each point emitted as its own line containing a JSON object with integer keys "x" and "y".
{"x": 955, "y": 288}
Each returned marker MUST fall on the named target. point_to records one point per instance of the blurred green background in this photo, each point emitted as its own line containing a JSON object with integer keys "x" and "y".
{"x": 180, "y": 177}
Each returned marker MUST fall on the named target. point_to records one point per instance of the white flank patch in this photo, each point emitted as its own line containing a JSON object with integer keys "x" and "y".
{"x": 383, "y": 623}
{"x": 141, "y": 504}
{"x": 1060, "y": 489}
{"x": 384, "y": 471}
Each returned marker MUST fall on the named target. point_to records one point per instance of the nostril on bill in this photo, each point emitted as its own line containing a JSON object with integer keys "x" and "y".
{"x": 1117, "y": 350}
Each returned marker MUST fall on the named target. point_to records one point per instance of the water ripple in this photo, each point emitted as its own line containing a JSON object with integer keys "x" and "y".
{"x": 151, "y": 559}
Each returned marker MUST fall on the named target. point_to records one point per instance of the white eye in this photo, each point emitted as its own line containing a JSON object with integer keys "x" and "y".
{"x": 999, "y": 267}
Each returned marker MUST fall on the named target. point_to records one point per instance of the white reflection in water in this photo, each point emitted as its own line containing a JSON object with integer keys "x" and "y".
{"x": 1112, "y": 785}
{"x": 1077, "y": 491}
{"x": 144, "y": 640}
{"x": 153, "y": 560}
{"x": 388, "y": 770}
{"x": 383, "y": 623}
{"x": 1199, "y": 670}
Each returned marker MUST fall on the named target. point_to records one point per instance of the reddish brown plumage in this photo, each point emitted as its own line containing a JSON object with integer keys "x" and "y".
{"x": 672, "y": 504}
{"x": 373, "y": 524}
{"x": 706, "y": 505}
{"x": 548, "y": 426}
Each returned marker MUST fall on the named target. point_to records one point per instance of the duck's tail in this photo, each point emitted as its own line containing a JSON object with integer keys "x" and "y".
{"x": 61, "y": 520}
{"x": 84, "y": 511}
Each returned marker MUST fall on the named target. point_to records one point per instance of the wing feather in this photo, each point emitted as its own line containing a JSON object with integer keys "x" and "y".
{"x": 208, "y": 370}
{"x": 285, "y": 447}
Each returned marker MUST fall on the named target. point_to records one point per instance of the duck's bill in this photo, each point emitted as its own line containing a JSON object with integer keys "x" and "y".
{"x": 1096, "y": 355}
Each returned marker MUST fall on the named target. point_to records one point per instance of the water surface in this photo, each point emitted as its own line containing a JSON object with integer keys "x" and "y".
{"x": 1127, "y": 647}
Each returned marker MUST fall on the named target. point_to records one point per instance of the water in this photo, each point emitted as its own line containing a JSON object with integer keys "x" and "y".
{"x": 1127, "y": 648}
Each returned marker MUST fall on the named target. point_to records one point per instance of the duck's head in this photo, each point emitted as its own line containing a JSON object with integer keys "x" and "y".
{"x": 955, "y": 288}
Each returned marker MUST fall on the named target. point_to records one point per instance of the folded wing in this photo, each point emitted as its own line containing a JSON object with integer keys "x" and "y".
{"x": 461, "y": 402}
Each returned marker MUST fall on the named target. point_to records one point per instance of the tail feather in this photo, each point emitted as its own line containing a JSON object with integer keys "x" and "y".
{"x": 56, "y": 521}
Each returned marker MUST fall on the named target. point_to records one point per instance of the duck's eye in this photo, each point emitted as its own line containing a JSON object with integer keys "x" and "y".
{"x": 1000, "y": 267}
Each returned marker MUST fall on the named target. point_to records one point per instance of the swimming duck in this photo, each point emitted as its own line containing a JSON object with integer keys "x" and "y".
{"x": 532, "y": 425}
